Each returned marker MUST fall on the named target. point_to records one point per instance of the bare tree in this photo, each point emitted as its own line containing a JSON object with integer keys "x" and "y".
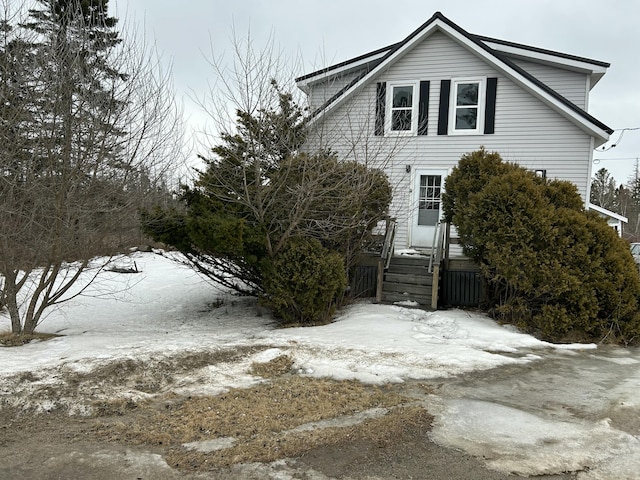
{"x": 88, "y": 130}
{"x": 266, "y": 179}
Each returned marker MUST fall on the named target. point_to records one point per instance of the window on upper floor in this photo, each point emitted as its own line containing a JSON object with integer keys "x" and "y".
{"x": 403, "y": 104}
{"x": 401, "y": 107}
{"x": 467, "y": 106}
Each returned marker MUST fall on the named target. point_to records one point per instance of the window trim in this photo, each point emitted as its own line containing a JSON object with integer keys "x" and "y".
{"x": 415, "y": 85}
{"x": 482, "y": 87}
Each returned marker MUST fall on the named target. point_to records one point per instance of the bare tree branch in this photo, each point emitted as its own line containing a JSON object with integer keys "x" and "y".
{"x": 89, "y": 132}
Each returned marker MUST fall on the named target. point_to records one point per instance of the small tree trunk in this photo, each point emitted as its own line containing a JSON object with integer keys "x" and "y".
{"x": 14, "y": 313}
{"x": 30, "y": 324}
{"x": 12, "y": 303}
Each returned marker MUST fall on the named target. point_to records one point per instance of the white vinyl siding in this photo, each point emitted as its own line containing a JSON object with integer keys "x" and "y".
{"x": 527, "y": 131}
{"x": 574, "y": 86}
{"x": 323, "y": 91}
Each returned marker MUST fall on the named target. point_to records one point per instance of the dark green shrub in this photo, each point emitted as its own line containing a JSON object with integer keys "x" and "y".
{"x": 467, "y": 179}
{"x": 304, "y": 283}
{"x": 551, "y": 267}
{"x": 471, "y": 174}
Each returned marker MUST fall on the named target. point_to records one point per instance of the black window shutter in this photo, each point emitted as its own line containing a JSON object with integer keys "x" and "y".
{"x": 490, "y": 107}
{"x": 443, "y": 112}
{"x": 381, "y": 96}
{"x": 423, "y": 108}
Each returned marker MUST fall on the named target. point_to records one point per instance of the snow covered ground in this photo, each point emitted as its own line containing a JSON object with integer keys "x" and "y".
{"x": 166, "y": 309}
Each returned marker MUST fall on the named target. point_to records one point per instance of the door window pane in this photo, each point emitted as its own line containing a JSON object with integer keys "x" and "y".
{"x": 429, "y": 199}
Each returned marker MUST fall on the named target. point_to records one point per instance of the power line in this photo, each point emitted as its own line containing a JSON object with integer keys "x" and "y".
{"x": 621, "y": 130}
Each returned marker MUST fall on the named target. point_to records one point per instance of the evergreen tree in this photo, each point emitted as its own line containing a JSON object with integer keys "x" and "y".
{"x": 631, "y": 197}
{"x": 633, "y": 184}
{"x": 259, "y": 192}
{"x": 78, "y": 113}
{"x": 73, "y": 40}
{"x": 604, "y": 192}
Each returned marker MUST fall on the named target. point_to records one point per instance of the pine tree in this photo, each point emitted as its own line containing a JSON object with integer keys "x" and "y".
{"x": 631, "y": 198}
{"x": 604, "y": 191}
{"x": 78, "y": 111}
{"x": 258, "y": 192}
{"x": 72, "y": 41}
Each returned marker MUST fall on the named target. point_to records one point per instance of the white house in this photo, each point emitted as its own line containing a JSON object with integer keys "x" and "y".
{"x": 415, "y": 107}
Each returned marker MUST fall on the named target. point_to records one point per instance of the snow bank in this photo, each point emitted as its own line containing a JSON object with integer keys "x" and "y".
{"x": 167, "y": 310}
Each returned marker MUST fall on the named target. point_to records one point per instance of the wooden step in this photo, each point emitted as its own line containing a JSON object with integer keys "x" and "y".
{"x": 406, "y": 288}
{"x": 426, "y": 279}
{"x": 409, "y": 269}
{"x": 408, "y": 280}
{"x": 410, "y": 260}
{"x": 393, "y": 297}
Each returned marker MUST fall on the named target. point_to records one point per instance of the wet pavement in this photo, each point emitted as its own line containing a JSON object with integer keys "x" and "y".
{"x": 569, "y": 411}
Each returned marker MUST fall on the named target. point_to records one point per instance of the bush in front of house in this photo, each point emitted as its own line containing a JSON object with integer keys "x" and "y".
{"x": 258, "y": 190}
{"x": 551, "y": 268}
{"x": 304, "y": 283}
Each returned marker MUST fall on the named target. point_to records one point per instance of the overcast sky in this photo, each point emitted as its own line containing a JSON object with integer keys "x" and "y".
{"x": 329, "y": 31}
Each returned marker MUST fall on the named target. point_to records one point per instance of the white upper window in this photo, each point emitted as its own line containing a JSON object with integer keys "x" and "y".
{"x": 467, "y": 106}
{"x": 402, "y": 108}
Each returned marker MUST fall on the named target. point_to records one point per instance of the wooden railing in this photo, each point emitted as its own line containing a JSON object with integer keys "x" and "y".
{"x": 389, "y": 241}
{"x": 385, "y": 254}
{"x": 439, "y": 249}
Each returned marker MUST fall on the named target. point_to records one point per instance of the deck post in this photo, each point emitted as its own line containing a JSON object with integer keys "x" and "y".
{"x": 434, "y": 287}
{"x": 379, "y": 280}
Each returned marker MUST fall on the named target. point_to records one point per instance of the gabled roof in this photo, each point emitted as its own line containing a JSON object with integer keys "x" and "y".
{"x": 375, "y": 62}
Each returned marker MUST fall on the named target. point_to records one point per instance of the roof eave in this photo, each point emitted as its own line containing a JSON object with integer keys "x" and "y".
{"x": 593, "y": 68}
{"x": 304, "y": 83}
{"x": 541, "y": 53}
{"x": 606, "y": 212}
{"x": 347, "y": 65}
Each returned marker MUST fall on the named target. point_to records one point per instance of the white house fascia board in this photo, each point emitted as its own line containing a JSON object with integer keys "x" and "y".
{"x": 438, "y": 24}
{"x": 595, "y": 71}
{"x": 325, "y": 74}
{"x": 608, "y": 213}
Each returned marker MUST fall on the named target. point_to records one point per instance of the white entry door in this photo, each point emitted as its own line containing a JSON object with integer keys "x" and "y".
{"x": 427, "y": 206}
